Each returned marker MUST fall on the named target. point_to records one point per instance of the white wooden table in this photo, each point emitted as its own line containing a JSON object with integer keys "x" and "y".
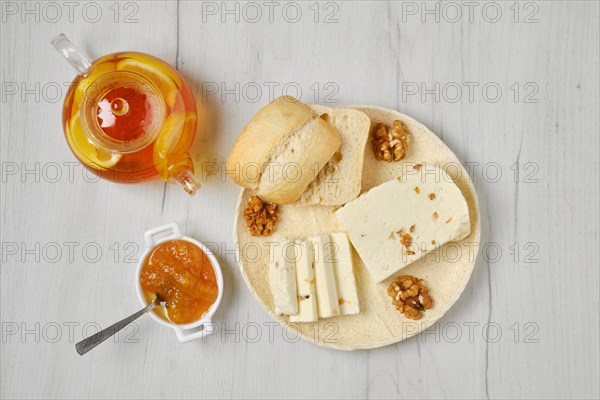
{"x": 512, "y": 88}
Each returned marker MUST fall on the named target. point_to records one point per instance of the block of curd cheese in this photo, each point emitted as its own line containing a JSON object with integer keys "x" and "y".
{"x": 327, "y": 297}
{"x": 344, "y": 274}
{"x": 305, "y": 279}
{"x": 282, "y": 278}
{"x": 399, "y": 221}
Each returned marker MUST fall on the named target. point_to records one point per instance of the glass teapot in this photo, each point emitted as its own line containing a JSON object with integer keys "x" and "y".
{"x": 129, "y": 117}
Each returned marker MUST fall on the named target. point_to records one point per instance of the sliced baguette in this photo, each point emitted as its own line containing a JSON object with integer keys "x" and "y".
{"x": 281, "y": 150}
{"x": 340, "y": 180}
{"x": 297, "y": 160}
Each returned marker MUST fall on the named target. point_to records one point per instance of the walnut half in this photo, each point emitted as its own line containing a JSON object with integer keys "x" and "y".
{"x": 390, "y": 144}
{"x": 261, "y": 217}
{"x": 410, "y": 296}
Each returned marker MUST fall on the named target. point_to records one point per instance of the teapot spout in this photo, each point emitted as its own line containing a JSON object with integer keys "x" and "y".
{"x": 68, "y": 50}
{"x": 184, "y": 176}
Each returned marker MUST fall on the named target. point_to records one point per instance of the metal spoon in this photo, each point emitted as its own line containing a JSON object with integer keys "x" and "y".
{"x": 89, "y": 343}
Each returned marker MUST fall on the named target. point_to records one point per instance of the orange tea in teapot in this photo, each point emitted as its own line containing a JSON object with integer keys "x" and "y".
{"x": 130, "y": 117}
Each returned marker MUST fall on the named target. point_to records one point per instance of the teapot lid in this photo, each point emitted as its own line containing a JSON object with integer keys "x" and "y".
{"x": 122, "y": 112}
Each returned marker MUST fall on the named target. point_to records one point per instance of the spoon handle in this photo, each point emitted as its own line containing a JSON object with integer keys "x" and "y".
{"x": 89, "y": 343}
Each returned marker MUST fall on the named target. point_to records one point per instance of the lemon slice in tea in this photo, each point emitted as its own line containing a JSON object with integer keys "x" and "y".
{"x": 154, "y": 70}
{"x": 85, "y": 150}
{"x": 169, "y": 136}
{"x": 175, "y": 137}
{"x": 90, "y": 78}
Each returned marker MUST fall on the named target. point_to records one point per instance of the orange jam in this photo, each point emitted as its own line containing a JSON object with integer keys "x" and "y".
{"x": 181, "y": 274}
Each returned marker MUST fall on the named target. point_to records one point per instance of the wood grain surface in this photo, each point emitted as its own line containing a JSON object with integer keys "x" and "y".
{"x": 511, "y": 87}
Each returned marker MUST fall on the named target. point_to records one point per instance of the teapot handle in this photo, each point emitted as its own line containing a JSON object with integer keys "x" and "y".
{"x": 68, "y": 50}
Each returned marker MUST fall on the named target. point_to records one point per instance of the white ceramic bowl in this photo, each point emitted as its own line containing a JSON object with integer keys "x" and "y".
{"x": 193, "y": 330}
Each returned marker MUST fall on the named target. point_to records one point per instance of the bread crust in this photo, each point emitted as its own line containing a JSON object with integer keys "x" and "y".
{"x": 321, "y": 145}
{"x": 267, "y": 133}
{"x": 268, "y": 127}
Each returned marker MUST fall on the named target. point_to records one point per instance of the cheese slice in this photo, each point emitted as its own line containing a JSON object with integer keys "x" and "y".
{"x": 305, "y": 279}
{"x": 344, "y": 274}
{"x": 399, "y": 221}
{"x": 327, "y": 298}
{"x": 282, "y": 278}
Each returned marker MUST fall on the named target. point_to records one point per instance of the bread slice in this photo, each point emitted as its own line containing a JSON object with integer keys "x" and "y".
{"x": 264, "y": 131}
{"x": 281, "y": 150}
{"x": 296, "y": 161}
{"x": 340, "y": 180}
